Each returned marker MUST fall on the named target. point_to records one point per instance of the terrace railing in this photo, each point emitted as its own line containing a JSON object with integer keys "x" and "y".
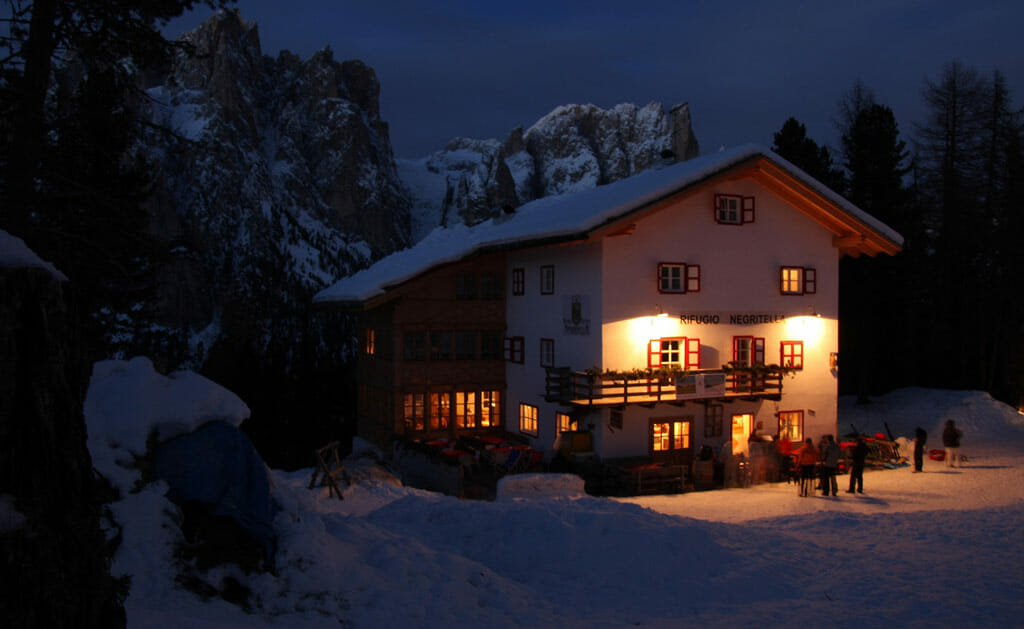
{"x": 565, "y": 386}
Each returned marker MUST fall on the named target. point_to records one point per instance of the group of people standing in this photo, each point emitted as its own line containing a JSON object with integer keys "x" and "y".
{"x": 951, "y": 436}
{"x": 808, "y": 457}
{"x": 826, "y": 456}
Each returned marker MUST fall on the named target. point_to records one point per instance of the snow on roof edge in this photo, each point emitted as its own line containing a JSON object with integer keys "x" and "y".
{"x": 564, "y": 216}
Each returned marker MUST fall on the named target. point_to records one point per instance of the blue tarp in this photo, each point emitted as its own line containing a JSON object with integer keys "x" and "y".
{"x": 217, "y": 466}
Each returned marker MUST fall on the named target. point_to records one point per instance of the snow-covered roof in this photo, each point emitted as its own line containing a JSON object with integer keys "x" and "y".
{"x": 567, "y": 216}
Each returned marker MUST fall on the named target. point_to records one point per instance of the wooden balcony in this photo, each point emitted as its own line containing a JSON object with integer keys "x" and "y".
{"x": 579, "y": 388}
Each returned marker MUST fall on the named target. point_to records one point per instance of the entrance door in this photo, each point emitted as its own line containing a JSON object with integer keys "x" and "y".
{"x": 741, "y": 426}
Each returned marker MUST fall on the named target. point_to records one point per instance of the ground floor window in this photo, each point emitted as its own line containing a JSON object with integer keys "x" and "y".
{"x": 564, "y": 422}
{"x": 791, "y": 425}
{"x": 713, "y": 420}
{"x": 436, "y": 410}
{"x": 490, "y": 408}
{"x": 670, "y": 434}
{"x": 413, "y": 411}
{"x": 528, "y": 419}
{"x": 440, "y": 410}
{"x": 465, "y": 409}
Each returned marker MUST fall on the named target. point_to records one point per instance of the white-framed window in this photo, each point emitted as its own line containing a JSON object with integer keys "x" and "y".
{"x": 798, "y": 280}
{"x": 667, "y": 435}
{"x": 528, "y": 419}
{"x": 674, "y": 352}
{"x": 547, "y": 280}
{"x": 792, "y": 354}
{"x": 547, "y": 352}
{"x": 733, "y": 209}
{"x": 676, "y": 277}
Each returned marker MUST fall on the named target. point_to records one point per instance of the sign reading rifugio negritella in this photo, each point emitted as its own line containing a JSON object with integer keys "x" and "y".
{"x": 730, "y": 318}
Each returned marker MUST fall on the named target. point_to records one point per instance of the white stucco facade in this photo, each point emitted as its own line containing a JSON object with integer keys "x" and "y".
{"x": 739, "y": 281}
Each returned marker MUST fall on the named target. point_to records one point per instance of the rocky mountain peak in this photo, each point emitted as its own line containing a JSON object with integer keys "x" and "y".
{"x": 571, "y": 148}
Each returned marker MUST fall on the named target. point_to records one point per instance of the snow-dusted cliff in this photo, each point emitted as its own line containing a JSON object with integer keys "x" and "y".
{"x": 572, "y": 148}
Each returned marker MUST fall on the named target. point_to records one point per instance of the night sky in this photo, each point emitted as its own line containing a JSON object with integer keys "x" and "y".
{"x": 478, "y": 68}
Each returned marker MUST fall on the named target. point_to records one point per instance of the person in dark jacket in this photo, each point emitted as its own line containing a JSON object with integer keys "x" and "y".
{"x": 951, "y": 441}
{"x": 830, "y": 454}
{"x": 920, "y": 438}
{"x": 859, "y": 456}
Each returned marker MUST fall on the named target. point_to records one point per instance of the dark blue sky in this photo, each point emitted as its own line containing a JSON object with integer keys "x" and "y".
{"x": 478, "y": 68}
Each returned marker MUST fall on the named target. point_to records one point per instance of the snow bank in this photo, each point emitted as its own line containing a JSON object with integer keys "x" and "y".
{"x": 129, "y": 400}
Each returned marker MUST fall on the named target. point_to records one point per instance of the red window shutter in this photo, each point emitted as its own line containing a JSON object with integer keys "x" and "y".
{"x": 692, "y": 278}
{"x": 748, "y": 209}
{"x": 692, "y": 353}
{"x": 810, "y": 281}
{"x": 736, "y": 348}
{"x": 654, "y": 353}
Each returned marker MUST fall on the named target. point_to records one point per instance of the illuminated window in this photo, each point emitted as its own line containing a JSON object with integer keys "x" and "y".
{"x": 465, "y": 409}
{"x": 713, "y": 420}
{"x": 528, "y": 419}
{"x": 514, "y": 352}
{"x": 733, "y": 209}
{"x": 564, "y": 422}
{"x": 413, "y": 411}
{"x": 797, "y": 280}
{"x": 465, "y": 286}
{"x": 678, "y": 278}
{"x": 518, "y": 282}
{"x": 370, "y": 344}
{"x": 674, "y": 352}
{"x": 547, "y": 353}
{"x": 490, "y": 408}
{"x": 668, "y": 435}
{"x": 547, "y": 280}
{"x": 791, "y": 425}
{"x": 792, "y": 354}
{"x": 440, "y": 410}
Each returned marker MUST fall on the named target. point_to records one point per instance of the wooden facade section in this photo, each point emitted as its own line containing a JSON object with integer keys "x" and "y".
{"x": 431, "y": 361}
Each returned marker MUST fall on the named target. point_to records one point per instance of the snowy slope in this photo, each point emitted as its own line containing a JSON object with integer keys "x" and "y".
{"x": 915, "y": 550}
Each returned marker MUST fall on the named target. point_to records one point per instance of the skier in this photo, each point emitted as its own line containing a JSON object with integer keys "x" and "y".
{"x": 920, "y": 437}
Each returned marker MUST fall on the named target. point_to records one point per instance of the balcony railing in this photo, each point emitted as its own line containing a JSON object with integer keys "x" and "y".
{"x": 591, "y": 389}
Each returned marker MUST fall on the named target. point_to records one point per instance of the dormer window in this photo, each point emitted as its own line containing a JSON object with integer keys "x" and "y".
{"x": 733, "y": 209}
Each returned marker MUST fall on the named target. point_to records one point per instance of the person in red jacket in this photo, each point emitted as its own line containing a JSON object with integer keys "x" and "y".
{"x": 806, "y": 458}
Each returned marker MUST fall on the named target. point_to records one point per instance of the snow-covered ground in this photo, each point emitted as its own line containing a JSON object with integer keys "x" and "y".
{"x": 942, "y": 548}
